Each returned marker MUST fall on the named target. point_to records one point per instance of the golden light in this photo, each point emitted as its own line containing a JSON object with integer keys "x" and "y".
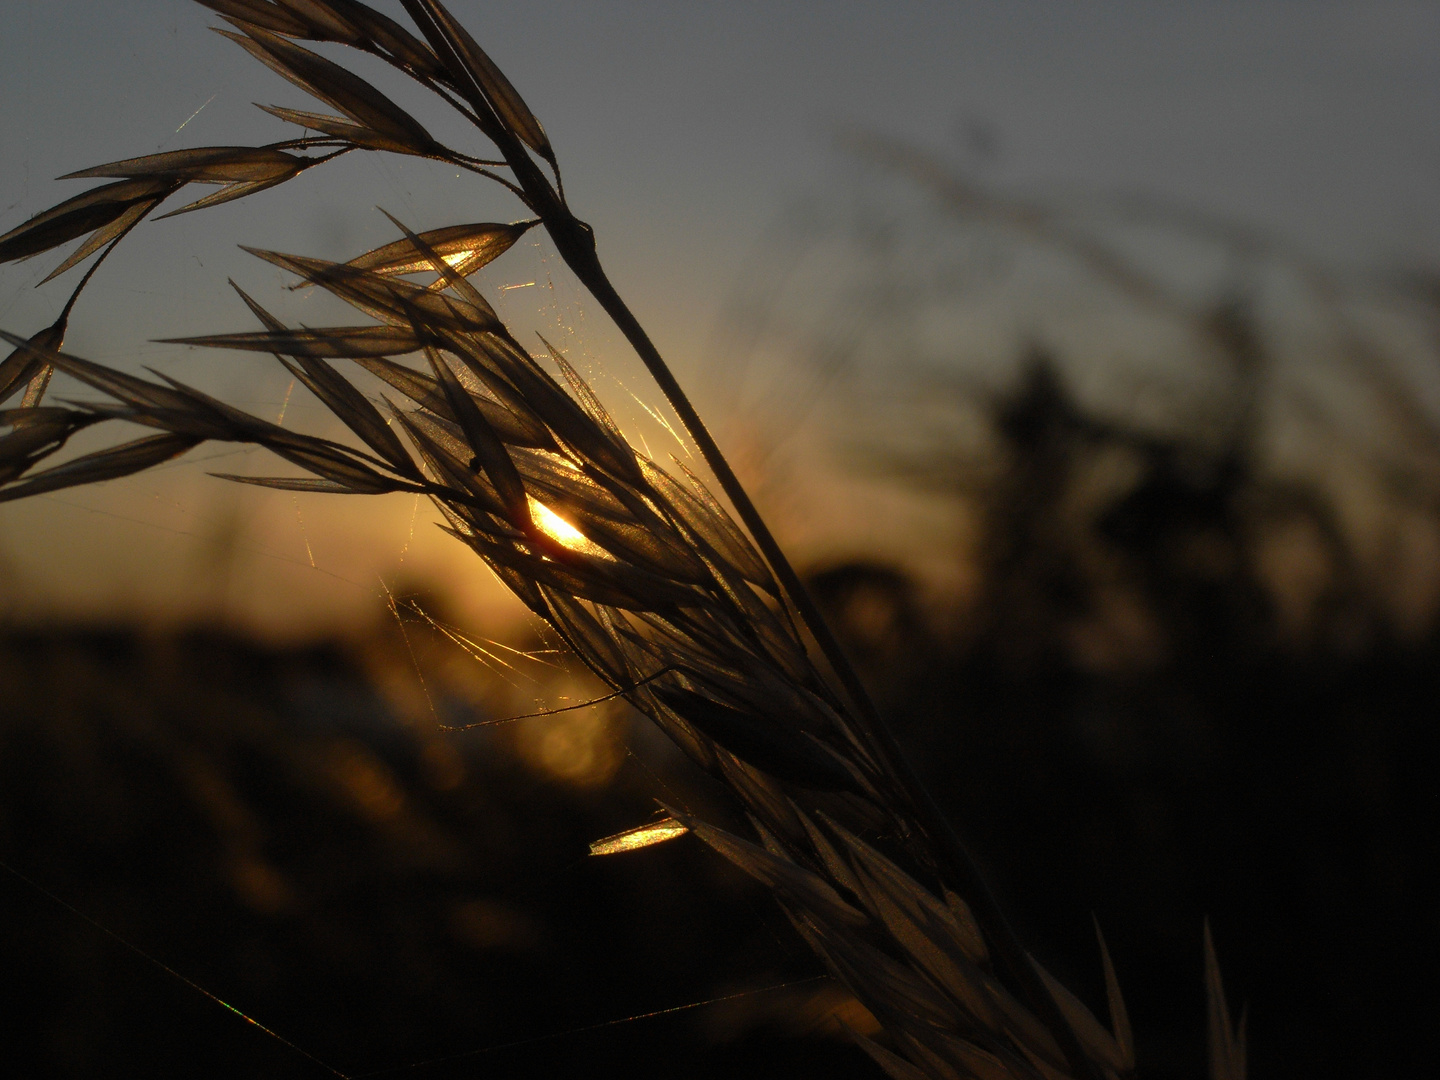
{"x": 644, "y": 836}
{"x": 558, "y": 529}
{"x": 457, "y": 260}
{"x": 580, "y": 748}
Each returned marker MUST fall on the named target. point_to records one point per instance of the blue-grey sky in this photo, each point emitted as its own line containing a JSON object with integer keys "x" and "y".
{"x": 685, "y": 127}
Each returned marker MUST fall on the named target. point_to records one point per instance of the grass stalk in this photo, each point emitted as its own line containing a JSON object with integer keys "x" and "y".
{"x": 646, "y": 577}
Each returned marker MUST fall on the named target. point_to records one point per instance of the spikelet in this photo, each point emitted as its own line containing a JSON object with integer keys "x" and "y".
{"x": 642, "y": 573}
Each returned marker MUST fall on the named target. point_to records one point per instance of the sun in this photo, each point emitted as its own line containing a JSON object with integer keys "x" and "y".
{"x": 560, "y": 530}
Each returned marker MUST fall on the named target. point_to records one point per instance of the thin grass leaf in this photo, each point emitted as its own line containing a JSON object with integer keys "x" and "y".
{"x": 716, "y": 543}
{"x": 320, "y": 456}
{"x": 446, "y": 467}
{"x": 127, "y": 388}
{"x": 517, "y": 431}
{"x": 598, "y": 512}
{"x": 488, "y": 451}
{"x": 643, "y": 591}
{"x": 884, "y": 985}
{"x": 1035, "y": 1041}
{"x": 341, "y": 398}
{"x": 388, "y": 299}
{"x": 893, "y": 888}
{"x": 468, "y": 521}
{"x": 229, "y": 193}
{"x": 557, "y": 576}
{"x": 556, "y": 408}
{"x": 836, "y": 867}
{"x": 416, "y": 385}
{"x": 760, "y": 686}
{"x": 357, "y": 478}
{"x": 896, "y": 1067}
{"x": 337, "y": 87}
{"x": 342, "y": 21}
{"x": 927, "y": 951}
{"x": 759, "y": 740}
{"x": 678, "y": 638}
{"x": 976, "y": 1063}
{"x": 501, "y": 371}
{"x": 204, "y": 165}
{"x": 1119, "y": 1015}
{"x": 479, "y": 69}
{"x": 1093, "y": 1036}
{"x": 466, "y": 248}
{"x": 339, "y": 342}
{"x": 393, "y": 40}
{"x": 588, "y": 401}
{"x": 82, "y": 214}
{"x": 1226, "y": 1043}
{"x": 17, "y": 419}
{"x": 35, "y": 434}
{"x": 323, "y": 21}
{"x": 627, "y": 540}
{"x": 355, "y": 134}
{"x": 394, "y": 300}
{"x": 330, "y": 459}
{"x": 720, "y": 529}
{"x": 380, "y": 298}
{"x": 454, "y": 76}
{"x": 560, "y": 479}
{"x": 259, "y": 13}
{"x": 25, "y": 362}
{"x": 287, "y": 483}
{"x": 933, "y": 1063}
{"x": 778, "y": 642}
{"x": 473, "y": 300}
{"x": 766, "y": 801}
{"x": 595, "y": 641}
{"x": 795, "y": 883}
{"x": 353, "y": 410}
{"x": 468, "y": 295}
{"x": 131, "y": 457}
{"x": 351, "y": 23}
{"x": 202, "y": 424}
{"x": 100, "y": 237}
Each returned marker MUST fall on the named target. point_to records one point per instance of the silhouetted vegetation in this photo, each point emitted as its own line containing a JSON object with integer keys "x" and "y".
{"x": 285, "y": 828}
{"x": 1139, "y": 712}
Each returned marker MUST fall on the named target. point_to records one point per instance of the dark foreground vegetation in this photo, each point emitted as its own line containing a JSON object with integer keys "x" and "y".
{"x": 1128, "y": 723}
{"x": 267, "y": 823}
{"x": 288, "y": 829}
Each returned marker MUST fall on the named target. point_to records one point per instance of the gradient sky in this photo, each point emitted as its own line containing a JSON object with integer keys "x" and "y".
{"x": 684, "y": 130}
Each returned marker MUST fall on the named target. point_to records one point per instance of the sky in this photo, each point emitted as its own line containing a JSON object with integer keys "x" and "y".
{"x": 686, "y": 131}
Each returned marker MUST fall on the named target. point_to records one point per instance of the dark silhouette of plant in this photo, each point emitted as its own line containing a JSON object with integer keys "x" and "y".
{"x": 708, "y": 632}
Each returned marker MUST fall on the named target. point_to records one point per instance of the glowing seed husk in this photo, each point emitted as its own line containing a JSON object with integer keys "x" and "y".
{"x": 657, "y": 832}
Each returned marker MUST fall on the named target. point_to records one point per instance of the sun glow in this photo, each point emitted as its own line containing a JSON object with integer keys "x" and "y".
{"x": 558, "y": 529}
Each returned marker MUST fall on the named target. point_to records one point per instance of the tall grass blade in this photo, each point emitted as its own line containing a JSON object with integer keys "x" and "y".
{"x": 1226, "y": 1042}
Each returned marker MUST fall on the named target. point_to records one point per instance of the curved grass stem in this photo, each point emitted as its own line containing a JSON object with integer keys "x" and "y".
{"x": 958, "y": 867}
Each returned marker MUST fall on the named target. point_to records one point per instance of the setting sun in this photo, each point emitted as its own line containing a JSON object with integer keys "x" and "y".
{"x": 557, "y": 528}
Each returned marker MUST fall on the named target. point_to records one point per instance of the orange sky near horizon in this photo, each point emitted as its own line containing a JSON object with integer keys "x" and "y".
{"x": 685, "y": 134}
